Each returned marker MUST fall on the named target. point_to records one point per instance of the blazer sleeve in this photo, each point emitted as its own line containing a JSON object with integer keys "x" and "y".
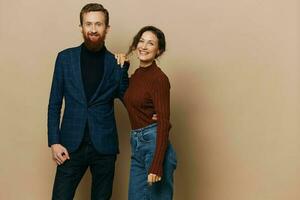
{"x": 124, "y": 81}
{"x": 55, "y": 102}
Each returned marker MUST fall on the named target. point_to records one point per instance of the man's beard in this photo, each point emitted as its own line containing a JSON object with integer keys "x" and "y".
{"x": 93, "y": 45}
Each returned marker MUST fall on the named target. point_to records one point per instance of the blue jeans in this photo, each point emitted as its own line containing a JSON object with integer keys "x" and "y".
{"x": 143, "y": 143}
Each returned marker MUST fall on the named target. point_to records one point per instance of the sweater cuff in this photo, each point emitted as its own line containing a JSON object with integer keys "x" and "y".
{"x": 156, "y": 169}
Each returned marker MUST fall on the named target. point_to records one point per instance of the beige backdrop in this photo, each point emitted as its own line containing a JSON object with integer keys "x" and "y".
{"x": 234, "y": 67}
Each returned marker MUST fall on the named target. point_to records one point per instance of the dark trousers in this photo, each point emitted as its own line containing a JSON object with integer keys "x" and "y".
{"x": 69, "y": 174}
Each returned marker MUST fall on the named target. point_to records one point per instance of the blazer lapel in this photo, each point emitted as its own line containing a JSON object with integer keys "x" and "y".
{"x": 77, "y": 71}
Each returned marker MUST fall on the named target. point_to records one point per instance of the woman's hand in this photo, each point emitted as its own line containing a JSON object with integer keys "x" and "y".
{"x": 121, "y": 58}
{"x": 154, "y": 117}
{"x": 153, "y": 178}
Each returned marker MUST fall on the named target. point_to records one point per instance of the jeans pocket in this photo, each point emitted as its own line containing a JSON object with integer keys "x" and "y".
{"x": 146, "y": 137}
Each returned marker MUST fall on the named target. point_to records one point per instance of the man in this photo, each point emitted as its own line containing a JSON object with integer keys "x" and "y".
{"x": 88, "y": 79}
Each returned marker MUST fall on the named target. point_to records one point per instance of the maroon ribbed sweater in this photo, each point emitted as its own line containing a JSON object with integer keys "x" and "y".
{"x": 148, "y": 93}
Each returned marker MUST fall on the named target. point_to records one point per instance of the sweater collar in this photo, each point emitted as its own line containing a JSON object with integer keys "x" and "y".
{"x": 153, "y": 65}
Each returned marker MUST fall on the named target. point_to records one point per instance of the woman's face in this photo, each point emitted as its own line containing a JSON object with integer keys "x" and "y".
{"x": 147, "y": 48}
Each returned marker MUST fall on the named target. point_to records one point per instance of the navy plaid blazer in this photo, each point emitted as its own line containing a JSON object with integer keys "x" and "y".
{"x": 99, "y": 111}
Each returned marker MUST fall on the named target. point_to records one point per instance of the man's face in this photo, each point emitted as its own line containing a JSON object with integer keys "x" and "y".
{"x": 94, "y": 30}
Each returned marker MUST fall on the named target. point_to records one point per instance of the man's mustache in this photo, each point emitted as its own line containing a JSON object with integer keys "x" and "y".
{"x": 93, "y": 34}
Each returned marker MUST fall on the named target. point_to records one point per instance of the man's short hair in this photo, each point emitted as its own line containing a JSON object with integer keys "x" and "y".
{"x": 94, "y": 7}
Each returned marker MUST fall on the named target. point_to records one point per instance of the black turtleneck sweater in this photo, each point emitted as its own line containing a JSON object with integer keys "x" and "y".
{"x": 92, "y": 69}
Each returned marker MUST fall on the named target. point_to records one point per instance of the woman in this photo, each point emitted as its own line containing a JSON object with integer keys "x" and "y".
{"x": 153, "y": 159}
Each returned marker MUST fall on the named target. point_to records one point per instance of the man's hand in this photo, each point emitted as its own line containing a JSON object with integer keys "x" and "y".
{"x": 59, "y": 153}
{"x": 121, "y": 58}
{"x": 152, "y": 178}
